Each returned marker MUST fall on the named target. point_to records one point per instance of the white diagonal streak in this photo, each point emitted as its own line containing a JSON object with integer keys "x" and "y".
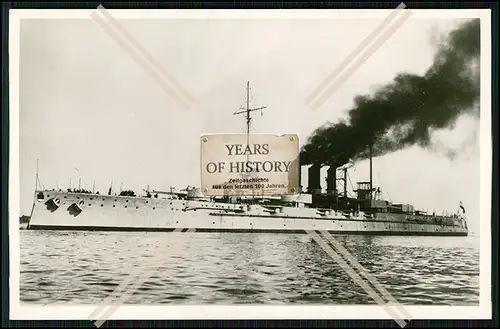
{"x": 355, "y": 52}
{"x": 116, "y": 303}
{"x": 124, "y": 291}
{"x": 350, "y": 258}
{"x": 319, "y": 101}
{"x": 142, "y": 57}
{"x": 356, "y": 278}
{"x": 141, "y": 49}
{"x": 325, "y": 89}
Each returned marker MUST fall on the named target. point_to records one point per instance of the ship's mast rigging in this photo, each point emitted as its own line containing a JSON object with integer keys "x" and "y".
{"x": 248, "y": 111}
{"x": 36, "y": 177}
{"x": 37, "y": 181}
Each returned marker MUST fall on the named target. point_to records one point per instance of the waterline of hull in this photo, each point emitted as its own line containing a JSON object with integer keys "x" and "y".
{"x": 229, "y": 230}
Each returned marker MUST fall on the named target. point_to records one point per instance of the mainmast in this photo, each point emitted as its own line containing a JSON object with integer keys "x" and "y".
{"x": 248, "y": 110}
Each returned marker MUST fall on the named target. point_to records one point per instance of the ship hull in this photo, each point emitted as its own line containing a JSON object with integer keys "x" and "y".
{"x": 241, "y": 230}
{"x": 111, "y": 213}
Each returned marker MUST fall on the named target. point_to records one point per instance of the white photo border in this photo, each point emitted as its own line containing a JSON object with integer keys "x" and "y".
{"x": 20, "y": 311}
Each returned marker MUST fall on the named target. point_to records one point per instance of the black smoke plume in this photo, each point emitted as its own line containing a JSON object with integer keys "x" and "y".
{"x": 406, "y": 111}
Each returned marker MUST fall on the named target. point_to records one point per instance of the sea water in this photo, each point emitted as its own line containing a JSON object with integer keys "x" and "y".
{"x": 231, "y": 268}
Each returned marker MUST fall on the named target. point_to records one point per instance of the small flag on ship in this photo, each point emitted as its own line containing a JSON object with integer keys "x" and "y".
{"x": 462, "y": 207}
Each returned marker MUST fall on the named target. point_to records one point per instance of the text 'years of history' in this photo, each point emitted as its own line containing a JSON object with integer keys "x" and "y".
{"x": 239, "y": 163}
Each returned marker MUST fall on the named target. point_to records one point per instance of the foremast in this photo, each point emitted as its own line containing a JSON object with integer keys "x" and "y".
{"x": 247, "y": 111}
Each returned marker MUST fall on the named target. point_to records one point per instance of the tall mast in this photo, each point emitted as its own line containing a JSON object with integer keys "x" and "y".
{"x": 247, "y": 110}
{"x": 36, "y": 177}
{"x": 36, "y": 187}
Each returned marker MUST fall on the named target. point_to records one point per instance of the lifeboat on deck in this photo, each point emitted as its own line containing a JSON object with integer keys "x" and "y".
{"x": 40, "y": 197}
{"x": 80, "y": 205}
{"x": 55, "y": 202}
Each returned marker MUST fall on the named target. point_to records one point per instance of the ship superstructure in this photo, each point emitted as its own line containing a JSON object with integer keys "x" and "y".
{"x": 312, "y": 209}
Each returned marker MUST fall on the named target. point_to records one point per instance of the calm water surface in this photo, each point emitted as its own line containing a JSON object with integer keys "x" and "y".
{"x": 225, "y": 268}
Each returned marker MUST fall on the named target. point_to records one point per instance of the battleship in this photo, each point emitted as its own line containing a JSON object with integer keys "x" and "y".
{"x": 335, "y": 211}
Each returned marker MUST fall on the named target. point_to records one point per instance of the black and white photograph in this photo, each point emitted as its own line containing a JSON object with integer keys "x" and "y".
{"x": 331, "y": 164}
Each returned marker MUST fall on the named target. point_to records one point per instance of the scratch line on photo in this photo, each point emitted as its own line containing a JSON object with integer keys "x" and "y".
{"x": 357, "y": 279}
{"x": 319, "y": 96}
{"x": 142, "y": 57}
{"x": 113, "y": 302}
{"x": 364, "y": 272}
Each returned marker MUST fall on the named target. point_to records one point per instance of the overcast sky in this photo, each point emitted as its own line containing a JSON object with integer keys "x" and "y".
{"x": 86, "y": 104}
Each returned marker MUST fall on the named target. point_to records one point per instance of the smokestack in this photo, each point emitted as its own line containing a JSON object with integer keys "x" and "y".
{"x": 371, "y": 171}
{"x": 304, "y": 178}
{"x": 331, "y": 181}
{"x": 300, "y": 178}
{"x": 314, "y": 179}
